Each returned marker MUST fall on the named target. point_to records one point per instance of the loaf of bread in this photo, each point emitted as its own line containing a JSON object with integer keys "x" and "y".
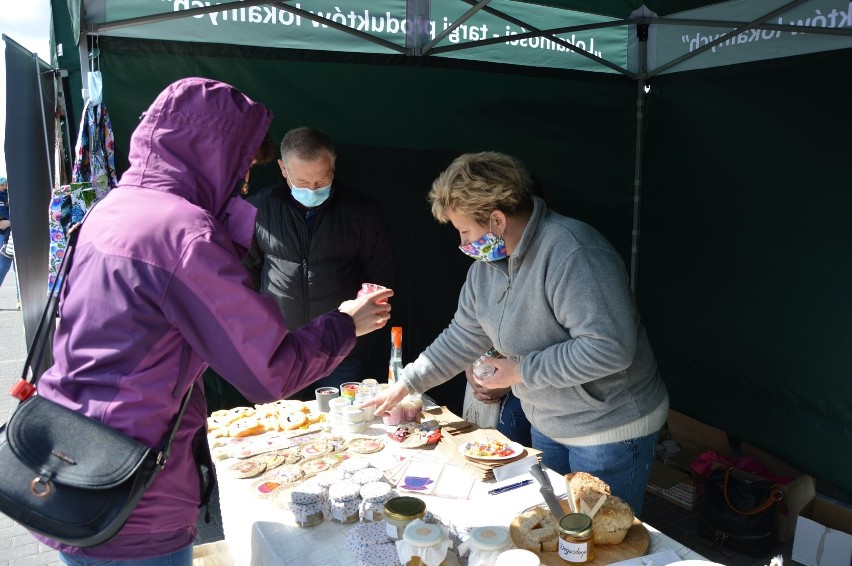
{"x": 613, "y": 518}
{"x": 612, "y": 521}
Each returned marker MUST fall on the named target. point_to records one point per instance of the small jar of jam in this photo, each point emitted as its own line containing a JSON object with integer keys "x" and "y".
{"x": 345, "y": 500}
{"x": 306, "y": 504}
{"x": 399, "y": 511}
{"x": 576, "y": 544}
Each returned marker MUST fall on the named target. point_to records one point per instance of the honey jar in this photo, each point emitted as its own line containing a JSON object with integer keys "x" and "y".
{"x": 399, "y": 511}
{"x": 576, "y": 544}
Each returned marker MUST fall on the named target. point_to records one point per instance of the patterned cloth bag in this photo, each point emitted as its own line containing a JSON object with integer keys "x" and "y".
{"x": 92, "y": 178}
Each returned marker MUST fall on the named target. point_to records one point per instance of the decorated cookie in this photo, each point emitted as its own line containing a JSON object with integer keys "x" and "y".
{"x": 247, "y": 468}
{"x": 316, "y": 449}
{"x": 365, "y": 445}
{"x": 281, "y": 477}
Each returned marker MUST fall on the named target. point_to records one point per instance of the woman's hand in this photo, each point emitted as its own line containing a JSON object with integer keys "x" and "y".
{"x": 368, "y": 313}
{"x": 508, "y": 373}
{"x": 387, "y": 399}
{"x": 484, "y": 394}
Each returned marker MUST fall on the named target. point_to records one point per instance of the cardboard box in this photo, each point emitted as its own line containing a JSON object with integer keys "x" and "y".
{"x": 674, "y": 485}
{"x": 823, "y": 534}
{"x": 673, "y": 480}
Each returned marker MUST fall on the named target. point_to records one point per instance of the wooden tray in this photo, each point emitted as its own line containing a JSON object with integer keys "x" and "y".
{"x": 635, "y": 544}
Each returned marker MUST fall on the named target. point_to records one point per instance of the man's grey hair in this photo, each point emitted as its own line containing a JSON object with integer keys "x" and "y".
{"x": 306, "y": 144}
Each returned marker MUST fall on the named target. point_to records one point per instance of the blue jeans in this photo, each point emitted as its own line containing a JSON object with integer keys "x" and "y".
{"x": 5, "y": 262}
{"x": 513, "y": 422}
{"x": 624, "y": 465}
{"x": 350, "y": 369}
{"x": 182, "y": 557}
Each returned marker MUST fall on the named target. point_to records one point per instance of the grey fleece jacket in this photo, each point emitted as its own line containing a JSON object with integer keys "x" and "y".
{"x": 562, "y": 304}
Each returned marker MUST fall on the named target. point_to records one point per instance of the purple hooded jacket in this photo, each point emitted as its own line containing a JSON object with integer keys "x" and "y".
{"x": 156, "y": 292}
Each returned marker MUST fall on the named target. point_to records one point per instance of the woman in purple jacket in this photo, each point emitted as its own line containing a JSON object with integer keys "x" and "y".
{"x": 157, "y": 292}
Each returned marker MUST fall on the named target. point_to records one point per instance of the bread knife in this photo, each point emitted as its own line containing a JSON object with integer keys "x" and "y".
{"x": 546, "y": 491}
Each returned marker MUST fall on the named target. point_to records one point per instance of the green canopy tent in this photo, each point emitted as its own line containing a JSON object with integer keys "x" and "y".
{"x": 704, "y": 139}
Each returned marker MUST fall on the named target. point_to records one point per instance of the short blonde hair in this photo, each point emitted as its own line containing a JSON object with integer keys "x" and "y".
{"x": 476, "y": 184}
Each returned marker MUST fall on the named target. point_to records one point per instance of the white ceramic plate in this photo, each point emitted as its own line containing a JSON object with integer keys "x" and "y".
{"x": 514, "y": 446}
{"x": 694, "y": 563}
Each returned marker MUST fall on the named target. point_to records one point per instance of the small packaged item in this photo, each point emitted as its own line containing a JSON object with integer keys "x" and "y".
{"x": 374, "y": 495}
{"x": 349, "y": 467}
{"x": 393, "y": 416}
{"x": 368, "y": 475}
{"x": 306, "y": 504}
{"x": 400, "y": 511}
{"x": 486, "y": 544}
{"x": 423, "y": 544}
{"x": 345, "y": 500}
{"x": 411, "y": 407}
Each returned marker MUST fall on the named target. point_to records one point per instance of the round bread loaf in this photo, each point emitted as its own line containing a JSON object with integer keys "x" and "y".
{"x": 613, "y": 519}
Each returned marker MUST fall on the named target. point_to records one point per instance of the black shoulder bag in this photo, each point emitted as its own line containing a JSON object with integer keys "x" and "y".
{"x": 67, "y": 476}
{"x": 739, "y": 514}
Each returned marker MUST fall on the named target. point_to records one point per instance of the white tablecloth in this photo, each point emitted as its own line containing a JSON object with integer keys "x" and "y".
{"x": 261, "y": 534}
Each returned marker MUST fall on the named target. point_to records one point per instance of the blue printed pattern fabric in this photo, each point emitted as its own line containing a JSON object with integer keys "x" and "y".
{"x": 68, "y": 205}
{"x": 95, "y": 152}
{"x": 92, "y": 178}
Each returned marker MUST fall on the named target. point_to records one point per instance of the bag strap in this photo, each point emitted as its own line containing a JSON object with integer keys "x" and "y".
{"x": 774, "y": 497}
{"x": 26, "y": 386}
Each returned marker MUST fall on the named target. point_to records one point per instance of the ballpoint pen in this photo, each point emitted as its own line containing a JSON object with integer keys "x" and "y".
{"x": 510, "y": 487}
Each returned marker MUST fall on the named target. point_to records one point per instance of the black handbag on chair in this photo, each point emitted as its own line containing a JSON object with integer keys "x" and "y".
{"x": 67, "y": 476}
{"x": 739, "y": 514}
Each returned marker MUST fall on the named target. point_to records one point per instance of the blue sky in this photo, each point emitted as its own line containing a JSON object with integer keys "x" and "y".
{"x": 28, "y": 23}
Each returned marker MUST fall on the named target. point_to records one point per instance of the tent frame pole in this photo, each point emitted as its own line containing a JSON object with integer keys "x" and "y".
{"x": 641, "y": 76}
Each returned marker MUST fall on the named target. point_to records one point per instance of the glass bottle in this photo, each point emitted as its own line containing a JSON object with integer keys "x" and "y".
{"x": 395, "y": 364}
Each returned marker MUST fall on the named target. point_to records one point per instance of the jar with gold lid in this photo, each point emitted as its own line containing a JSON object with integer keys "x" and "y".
{"x": 399, "y": 512}
{"x": 576, "y": 542}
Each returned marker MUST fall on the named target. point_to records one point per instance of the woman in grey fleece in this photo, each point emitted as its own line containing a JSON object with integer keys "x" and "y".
{"x": 551, "y": 294}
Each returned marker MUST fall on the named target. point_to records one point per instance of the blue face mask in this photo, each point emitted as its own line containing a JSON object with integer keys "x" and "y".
{"x": 310, "y": 198}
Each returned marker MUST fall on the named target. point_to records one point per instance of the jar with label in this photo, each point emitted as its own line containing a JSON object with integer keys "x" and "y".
{"x": 374, "y": 495}
{"x": 486, "y": 544}
{"x": 306, "y": 504}
{"x": 345, "y": 500}
{"x": 400, "y": 511}
{"x": 424, "y": 543}
{"x": 576, "y": 542}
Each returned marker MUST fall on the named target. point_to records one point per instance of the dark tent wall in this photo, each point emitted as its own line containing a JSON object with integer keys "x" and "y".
{"x": 744, "y": 272}
{"x": 397, "y": 124}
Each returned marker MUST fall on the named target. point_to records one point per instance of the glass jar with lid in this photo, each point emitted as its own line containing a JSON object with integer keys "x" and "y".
{"x": 576, "y": 542}
{"x": 424, "y": 543}
{"x": 374, "y": 495}
{"x": 400, "y": 511}
{"x": 306, "y": 502}
{"x": 486, "y": 544}
{"x": 344, "y": 501}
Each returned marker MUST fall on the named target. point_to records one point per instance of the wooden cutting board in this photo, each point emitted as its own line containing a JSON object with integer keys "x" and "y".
{"x": 635, "y": 544}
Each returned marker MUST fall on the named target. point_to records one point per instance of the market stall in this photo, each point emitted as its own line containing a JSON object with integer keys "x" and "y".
{"x": 261, "y": 525}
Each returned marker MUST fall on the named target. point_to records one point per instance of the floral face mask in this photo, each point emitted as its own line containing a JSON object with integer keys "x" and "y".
{"x": 489, "y": 247}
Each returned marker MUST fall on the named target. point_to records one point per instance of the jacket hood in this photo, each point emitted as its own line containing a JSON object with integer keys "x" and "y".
{"x": 196, "y": 140}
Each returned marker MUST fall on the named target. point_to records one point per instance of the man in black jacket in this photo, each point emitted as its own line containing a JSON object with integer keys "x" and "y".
{"x": 316, "y": 241}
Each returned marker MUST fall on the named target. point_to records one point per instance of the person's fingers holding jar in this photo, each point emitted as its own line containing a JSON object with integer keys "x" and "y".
{"x": 508, "y": 372}
{"x": 4, "y": 224}
{"x": 386, "y": 399}
{"x": 369, "y": 312}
